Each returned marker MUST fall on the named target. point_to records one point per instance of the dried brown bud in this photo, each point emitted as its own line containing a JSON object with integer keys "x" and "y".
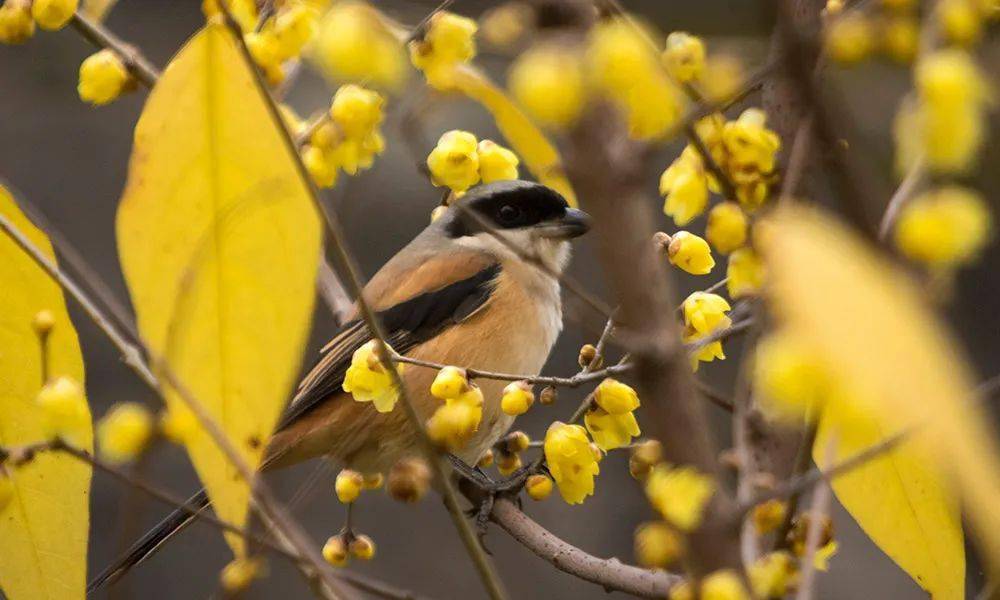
{"x": 409, "y": 479}
{"x": 800, "y": 530}
{"x": 362, "y": 547}
{"x": 548, "y": 395}
{"x": 587, "y": 355}
{"x": 516, "y": 441}
{"x": 662, "y": 241}
{"x": 644, "y": 457}
{"x": 486, "y": 460}
{"x": 335, "y": 551}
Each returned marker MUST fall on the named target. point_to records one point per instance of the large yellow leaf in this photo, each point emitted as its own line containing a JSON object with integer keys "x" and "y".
{"x": 220, "y": 245}
{"x": 870, "y": 326}
{"x": 43, "y": 531}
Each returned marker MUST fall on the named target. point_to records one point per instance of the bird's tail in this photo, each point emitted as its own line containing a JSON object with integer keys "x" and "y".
{"x": 151, "y": 542}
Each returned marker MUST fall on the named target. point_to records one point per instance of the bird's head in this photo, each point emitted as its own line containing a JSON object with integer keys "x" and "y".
{"x": 533, "y": 218}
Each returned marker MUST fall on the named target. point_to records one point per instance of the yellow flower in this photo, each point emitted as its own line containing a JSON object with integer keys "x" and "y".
{"x": 53, "y": 14}
{"x": 103, "y": 77}
{"x": 353, "y": 44}
{"x": 850, "y": 38}
{"x": 496, "y": 163}
{"x": 944, "y": 227}
{"x": 64, "y": 410}
{"x": 790, "y": 378}
{"x": 960, "y": 20}
{"x": 454, "y": 423}
{"x": 408, "y": 480}
{"x": 264, "y": 48}
{"x": 502, "y": 26}
{"x": 727, "y": 227}
{"x": 611, "y": 431}
{"x": 539, "y": 487}
{"x": 508, "y": 462}
{"x": 643, "y": 458}
{"x": 619, "y": 58}
{"x": 772, "y": 575}
{"x": 690, "y": 253}
{"x": 450, "y": 382}
{"x": 684, "y": 56}
{"x": 750, "y": 144}
{"x": 178, "y": 424}
{"x": 356, "y": 111}
{"x": 368, "y": 381}
{"x": 321, "y": 166}
{"x": 548, "y": 81}
{"x": 352, "y": 154}
{"x": 652, "y": 108}
{"x": 571, "y": 461}
{"x": 6, "y": 489}
{"x": 517, "y": 398}
{"x": 900, "y": 38}
{"x": 294, "y": 26}
{"x": 767, "y": 516}
{"x": 124, "y": 433}
{"x": 722, "y": 78}
{"x": 348, "y": 485}
{"x": 705, "y": 312}
{"x": 821, "y": 559}
{"x": 616, "y": 397}
{"x": 680, "y": 494}
{"x": 16, "y": 24}
{"x": 240, "y": 573}
{"x": 362, "y": 547}
{"x": 454, "y": 162}
{"x": 335, "y": 551}
{"x": 684, "y": 188}
{"x": 724, "y": 584}
{"x": 449, "y": 41}
{"x": 657, "y": 545}
{"x": 244, "y": 12}
{"x": 745, "y": 273}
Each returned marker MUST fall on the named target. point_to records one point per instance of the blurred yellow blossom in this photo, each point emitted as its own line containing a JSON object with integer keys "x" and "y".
{"x": 850, "y": 37}
{"x": 124, "y": 432}
{"x": 453, "y": 423}
{"x": 294, "y": 27}
{"x": 690, "y": 253}
{"x": 900, "y": 38}
{"x": 64, "y": 410}
{"x": 680, "y": 494}
{"x": 517, "y": 398}
{"x": 653, "y": 108}
{"x": 657, "y": 545}
{"x": 16, "y": 24}
{"x": 790, "y": 378}
{"x": 454, "y": 162}
{"x": 504, "y": 25}
{"x": 745, "y": 273}
{"x": 768, "y": 516}
{"x": 960, "y": 20}
{"x": 448, "y": 41}
{"x": 548, "y": 81}
{"x": 684, "y": 56}
{"x": 773, "y": 575}
{"x": 722, "y": 78}
{"x": 644, "y": 457}
{"x": 53, "y": 14}
{"x": 684, "y": 187}
{"x": 178, "y": 424}
{"x": 353, "y": 44}
{"x": 752, "y": 147}
{"x": 450, "y": 382}
{"x": 727, "y": 227}
{"x": 240, "y": 573}
{"x": 356, "y": 111}
{"x": 571, "y": 461}
{"x": 368, "y": 381}
{"x": 725, "y": 584}
{"x": 944, "y": 227}
{"x": 496, "y": 163}
{"x": 103, "y": 77}
{"x": 322, "y": 168}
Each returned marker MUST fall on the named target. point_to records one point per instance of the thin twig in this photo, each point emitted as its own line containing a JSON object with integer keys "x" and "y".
{"x": 574, "y": 381}
{"x": 99, "y": 36}
{"x": 818, "y": 511}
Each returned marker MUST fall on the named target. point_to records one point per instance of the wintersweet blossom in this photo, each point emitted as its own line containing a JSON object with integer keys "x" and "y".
{"x": 680, "y": 494}
{"x": 690, "y": 253}
{"x": 369, "y": 381}
{"x": 571, "y": 461}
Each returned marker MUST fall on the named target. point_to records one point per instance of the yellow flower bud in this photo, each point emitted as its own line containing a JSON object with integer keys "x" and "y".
{"x": 124, "y": 432}
{"x": 517, "y": 398}
{"x": 657, "y": 545}
{"x": 690, "y": 253}
{"x": 453, "y": 424}
{"x": 705, "y": 312}
{"x": 408, "y": 480}
{"x": 16, "y": 24}
{"x": 901, "y": 38}
{"x": 454, "y": 162}
{"x": 502, "y": 26}
{"x": 684, "y": 56}
{"x": 516, "y": 441}
{"x": 644, "y": 457}
{"x": 960, "y": 21}
{"x": 571, "y": 462}
{"x": 486, "y": 459}
{"x": 616, "y": 397}
{"x": 724, "y": 584}
{"x": 240, "y": 573}
{"x": 335, "y": 551}
{"x": 178, "y": 424}
{"x": 727, "y": 227}
{"x": 539, "y": 487}
{"x": 850, "y": 38}
{"x": 103, "y": 77}
{"x": 611, "y": 431}
{"x": 549, "y": 395}
{"x": 588, "y": 352}
{"x": 450, "y": 382}
{"x": 43, "y": 322}
{"x": 348, "y": 485}
{"x": 507, "y": 463}
{"x": 680, "y": 494}
{"x": 745, "y": 273}
{"x": 496, "y": 163}
{"x": 944, "y": 227}
{"x": 452, "y": 37}
{"x": 768, "y": 516}
{"x": 368, "y": 381}
{"x": 356, "y": 111}
{"x": 64, "y": 410}
{"x": 294, "y": 26}
{"x": 53, "y": 14}
{"x": 264, "y": 48}
{"x": 723, "y": 77}
{"x": 773, "y": 575}
{"x": 372, "y": 481}
{"x": 548, "y": 81}
{"x": 353, "y": 44}
{"x": 362, "y": 547}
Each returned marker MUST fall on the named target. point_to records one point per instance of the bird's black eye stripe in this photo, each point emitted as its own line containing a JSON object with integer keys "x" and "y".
{"x": 506, "y": 205}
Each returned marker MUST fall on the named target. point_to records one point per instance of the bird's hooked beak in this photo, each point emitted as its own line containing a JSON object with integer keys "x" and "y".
{"x": 573, "y": 223}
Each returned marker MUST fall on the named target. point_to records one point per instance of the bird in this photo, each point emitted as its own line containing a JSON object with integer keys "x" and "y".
{"x": 455, "y": 295}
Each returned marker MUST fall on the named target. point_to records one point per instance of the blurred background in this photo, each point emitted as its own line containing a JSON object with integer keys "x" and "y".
{"x": 70, "y": 160}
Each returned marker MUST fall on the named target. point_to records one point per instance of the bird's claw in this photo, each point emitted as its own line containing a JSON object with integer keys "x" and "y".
{"x": 483, "y": 491}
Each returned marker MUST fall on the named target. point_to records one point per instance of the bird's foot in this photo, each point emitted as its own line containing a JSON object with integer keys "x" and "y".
{"x": 483, "y": 491}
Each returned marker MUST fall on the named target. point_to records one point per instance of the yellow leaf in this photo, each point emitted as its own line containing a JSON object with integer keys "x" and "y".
{"x": 43, "y": 530}
{"x": 869, "y": 326}
{"x": 220, "y": 245}
{"x": 537, "y": 152}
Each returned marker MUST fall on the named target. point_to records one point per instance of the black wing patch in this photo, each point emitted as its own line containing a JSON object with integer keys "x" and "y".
{"x": 407, "y": 324}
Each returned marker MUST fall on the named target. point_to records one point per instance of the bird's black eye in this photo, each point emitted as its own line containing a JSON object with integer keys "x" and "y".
{"x": 510, "y": 214}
